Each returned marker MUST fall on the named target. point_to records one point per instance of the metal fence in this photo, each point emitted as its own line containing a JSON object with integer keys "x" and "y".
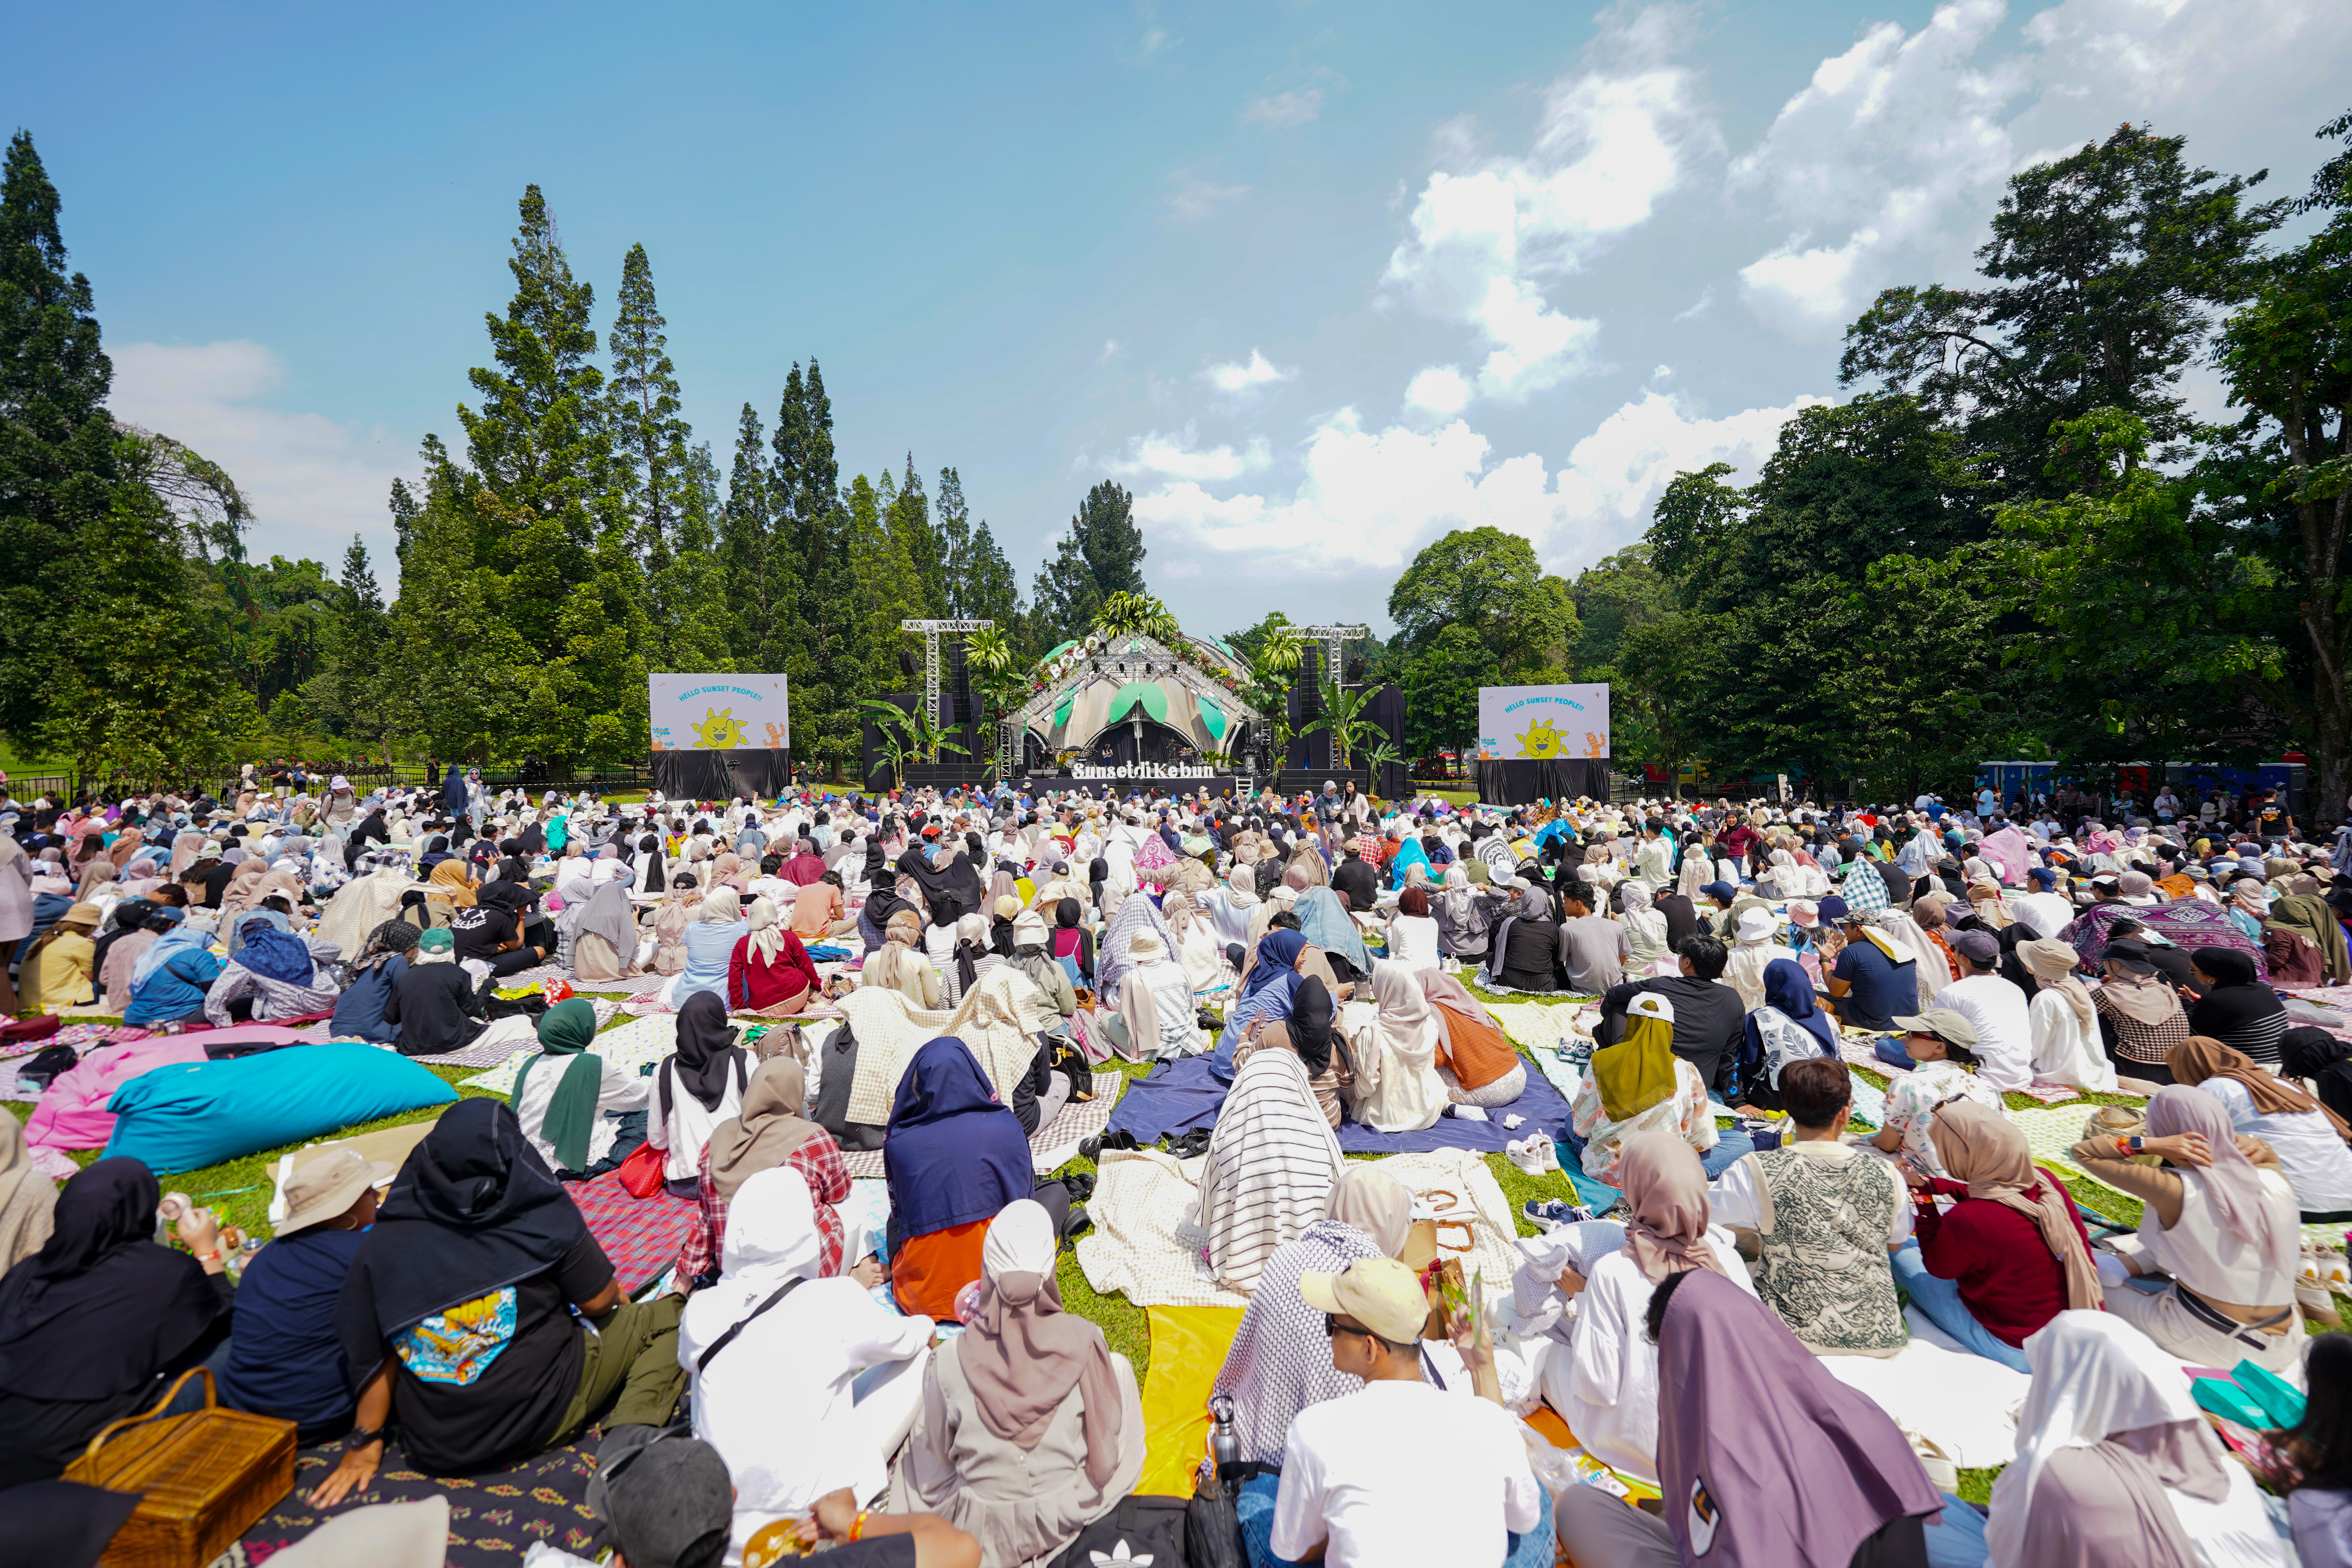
{"x": 364, "y": 777}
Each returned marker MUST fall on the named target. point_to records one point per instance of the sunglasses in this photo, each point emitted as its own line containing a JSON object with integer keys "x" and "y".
{"x": 1333, "y": 1328}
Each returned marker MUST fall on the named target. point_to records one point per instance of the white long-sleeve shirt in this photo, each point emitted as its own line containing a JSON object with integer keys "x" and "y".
{"x": 617, "y": 1094}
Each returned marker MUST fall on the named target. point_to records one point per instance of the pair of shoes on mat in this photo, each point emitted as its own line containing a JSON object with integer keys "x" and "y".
{"x": 1192, "y": 1144}
{"x": 1550, "y": 1214}
{"x": 1092, "y": 1148}
{"x": 1080, "y": 1187}
{"x": 1534, "y": 1153}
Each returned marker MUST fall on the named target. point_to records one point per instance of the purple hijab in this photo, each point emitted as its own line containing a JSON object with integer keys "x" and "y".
{"x": 1765, "y": 1460}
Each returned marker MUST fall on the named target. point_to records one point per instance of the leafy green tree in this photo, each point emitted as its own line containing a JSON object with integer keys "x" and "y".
{"x": 2105, "y": 269}
{"x": 1102, "y": 555}
{"x": 980, "y": 584}
{"x": 690, "y": 586}
{"x": 1490, "y": 582}
{"x": 1616, "y": 596}
{"x": 356, "y": 698}
{"x": 650, "y": 439}
{"x": 279, "y": 624}
{"x": 1440, "y": 684}
{"x": 907, "y": 512}
{"x": 833, "y": 653}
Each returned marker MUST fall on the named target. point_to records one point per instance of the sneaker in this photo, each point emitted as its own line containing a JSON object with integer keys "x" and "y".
{"x": 2334, "y": 1272}
{"x": 1550, "y": 1214}
{"x": 1527, "y": 1155}
{"x": 2317, "y": 1304}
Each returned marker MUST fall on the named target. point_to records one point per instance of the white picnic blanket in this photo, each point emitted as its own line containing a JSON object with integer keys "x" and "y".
{"x": 1143, "y": 1197}
{"x": 1963, "y": 1404}
{"x": 629, "y": 1047}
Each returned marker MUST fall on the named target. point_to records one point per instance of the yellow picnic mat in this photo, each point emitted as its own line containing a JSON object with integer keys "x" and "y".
{"x": 1188, "y": 1347}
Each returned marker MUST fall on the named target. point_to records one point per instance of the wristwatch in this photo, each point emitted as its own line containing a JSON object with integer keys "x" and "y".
{"x": 360, "y": 1437}
{"x": 2131, "y": 1145}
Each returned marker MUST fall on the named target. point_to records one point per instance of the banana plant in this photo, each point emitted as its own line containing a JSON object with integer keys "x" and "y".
{"x": 1343, "y": 715}
{"x": 909, "y": 735}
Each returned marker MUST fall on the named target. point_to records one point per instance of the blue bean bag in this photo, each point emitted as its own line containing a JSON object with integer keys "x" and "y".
{"x": 182, "y": 1117}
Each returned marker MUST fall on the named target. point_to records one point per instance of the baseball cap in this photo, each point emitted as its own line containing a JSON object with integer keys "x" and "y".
{"x": 1981, "y": 946}
{"x": 667, "y": 1496}
{"x": 441, "y": 939}
{"x": 1831, "y": 910}
{"x": 1944, "y": 1023}
{"x": 325, "y": 1186}
{"x": 1380, "y": 1293}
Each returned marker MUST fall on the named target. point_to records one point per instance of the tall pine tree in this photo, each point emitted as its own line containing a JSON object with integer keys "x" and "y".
{"x": 103, "y": 664}
{"x": 650, "y": 438}
{"x": 830, "y": 645}
{"x": 1102, "y": 555}
{"x": 755, "y": 553}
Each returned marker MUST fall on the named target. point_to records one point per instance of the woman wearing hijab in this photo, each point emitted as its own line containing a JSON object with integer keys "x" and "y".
{"x": 1527, "y": 946}
{"x": 1032, "y": 1427}
{"x": 1271, "y": 1157}
{"x": 2117, "y": 1467}
{"x": 1819, "y": 1477}
{"x": 2139, "y": 1012}
{"x": 457, "y": 1314}
{"x": 1464, "y": 922}
{"x": 2307, "y": 1136}
{"x": 28, "y": 1199}
{"x": 1995, "y": 1267}
{"x": 1606, "y": 1388}
{"x": 583, "y": 1114}
{"x": 1277, "y": 1365}
{"x": 717, "y": 924}
{"x": 954, "y": 1156}
{"x": 670, "y": 920}
{"x": 2323, "y": 1060}
{"x": 1638, "y": 1086}
{"x": 96, "y": 1323}
{"x": 897, "y": 965}
{"x": 604, "y": 935}
{"x": 1197, "y": 947}
{"x": 1645, "y": 931}
{"x": 369, "y": 984}
{"x": 770, "y": 971}
{"x": 56, "y": 975}
{"x": 1788, "y": 1026}
{"x": 771, "y": 1131}
{"x": 2237, "y": 1008}
{"x": 1397, "y": 1087}
{"x": 1115, "y": 955}
{"x": 1073, "y": 944}
{"x": 694, "y": 1089}
{"x": 1229, "y": 908}
{"x": 2220, "y": 1221}
{"x": 1330, "y": 929}
{"x": 778, "y": 1349}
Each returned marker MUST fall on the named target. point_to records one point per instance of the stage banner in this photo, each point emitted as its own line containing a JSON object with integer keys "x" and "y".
{"x": 720, "y": 713}
{"x": 1542, "y": 723}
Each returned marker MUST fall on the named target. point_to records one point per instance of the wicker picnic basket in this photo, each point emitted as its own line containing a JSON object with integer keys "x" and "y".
{"x": 203, "y": 1479}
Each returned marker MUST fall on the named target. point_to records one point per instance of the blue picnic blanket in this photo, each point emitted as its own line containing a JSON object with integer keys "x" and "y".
{"x": 1187, "y": 1093}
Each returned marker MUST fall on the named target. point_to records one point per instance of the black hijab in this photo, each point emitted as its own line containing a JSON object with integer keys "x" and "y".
{"x": 957, "y": 880}
{"x": 1066, "y": 914}
{"x": 1310, "y": 1024}
{"x": 100, "y": 1308}
{"x": 2236, "y": 1000}
{"x": 473, "y": 1210}
{"x": 707, "y": 1051}
{"x": 2326, "y": 1061}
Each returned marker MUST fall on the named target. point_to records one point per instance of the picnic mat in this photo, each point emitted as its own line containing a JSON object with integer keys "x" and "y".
{"x": 2050, "y": 1133}
{"x": 632, "y": 1047}
{"x": 1186, "y": 1093}
{"x": 1965, "y": 1404}
{"x": 1142, "y": 1197}
{"x": 1188, "y": 1350}
{"x": 1052, "y": 1146}
{"x": 1858, "y": 1051}
{"x": 641, "y": 1236}
{"x": 493, "y": 1519}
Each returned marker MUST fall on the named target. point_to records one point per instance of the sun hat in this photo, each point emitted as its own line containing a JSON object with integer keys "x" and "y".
{"x": 1804, "y": 913}
{"x": 324, "y": 1186}
{"x": 1380, "y": 1293}
{"x": 1945, "y": 1022}
{"x": 1756, "y": 924}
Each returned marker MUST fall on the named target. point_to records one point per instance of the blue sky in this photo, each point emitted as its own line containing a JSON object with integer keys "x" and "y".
{"x": 1318, "y": 282}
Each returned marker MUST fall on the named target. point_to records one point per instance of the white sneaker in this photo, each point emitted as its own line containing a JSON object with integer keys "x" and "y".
{"x": 1525, "y": 1154}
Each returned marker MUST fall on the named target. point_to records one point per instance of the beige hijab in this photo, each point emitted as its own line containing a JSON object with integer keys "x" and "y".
{"x": 767, "y": 1130}
{"x": 2051, "y": 962}
{"x": 1666, "y": 1188}
{"x": 27, "y": 1198}
{"x": 1986, "y": 1150}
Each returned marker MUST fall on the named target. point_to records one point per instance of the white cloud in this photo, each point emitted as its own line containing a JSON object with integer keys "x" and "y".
{"x": 1178, "y": 457}
{"x": 1887, "y": 165}
{"x": 1699, "y": 307}
{"x": 1235, "y": 378}
{"x": 1438, "y": 389}
{"x": 1293, "y": 107}
{"x": 1386, "y": 493}
{"x": 312, "y": 481}
{"x": 1199, "y": 198}
{"x": 1109, "y": 351}
{"x": 1612, "y": 141}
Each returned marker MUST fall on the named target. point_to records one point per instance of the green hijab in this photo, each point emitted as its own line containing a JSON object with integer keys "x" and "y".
{"x": 567, "y": 1029}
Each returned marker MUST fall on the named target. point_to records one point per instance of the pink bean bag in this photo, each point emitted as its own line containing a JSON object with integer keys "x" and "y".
{"x": 73, "y": 1114}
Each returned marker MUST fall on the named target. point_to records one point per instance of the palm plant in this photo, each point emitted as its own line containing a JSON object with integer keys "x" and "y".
{"x": 1344, "y": 715}
{"x": 909, "y": 735}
